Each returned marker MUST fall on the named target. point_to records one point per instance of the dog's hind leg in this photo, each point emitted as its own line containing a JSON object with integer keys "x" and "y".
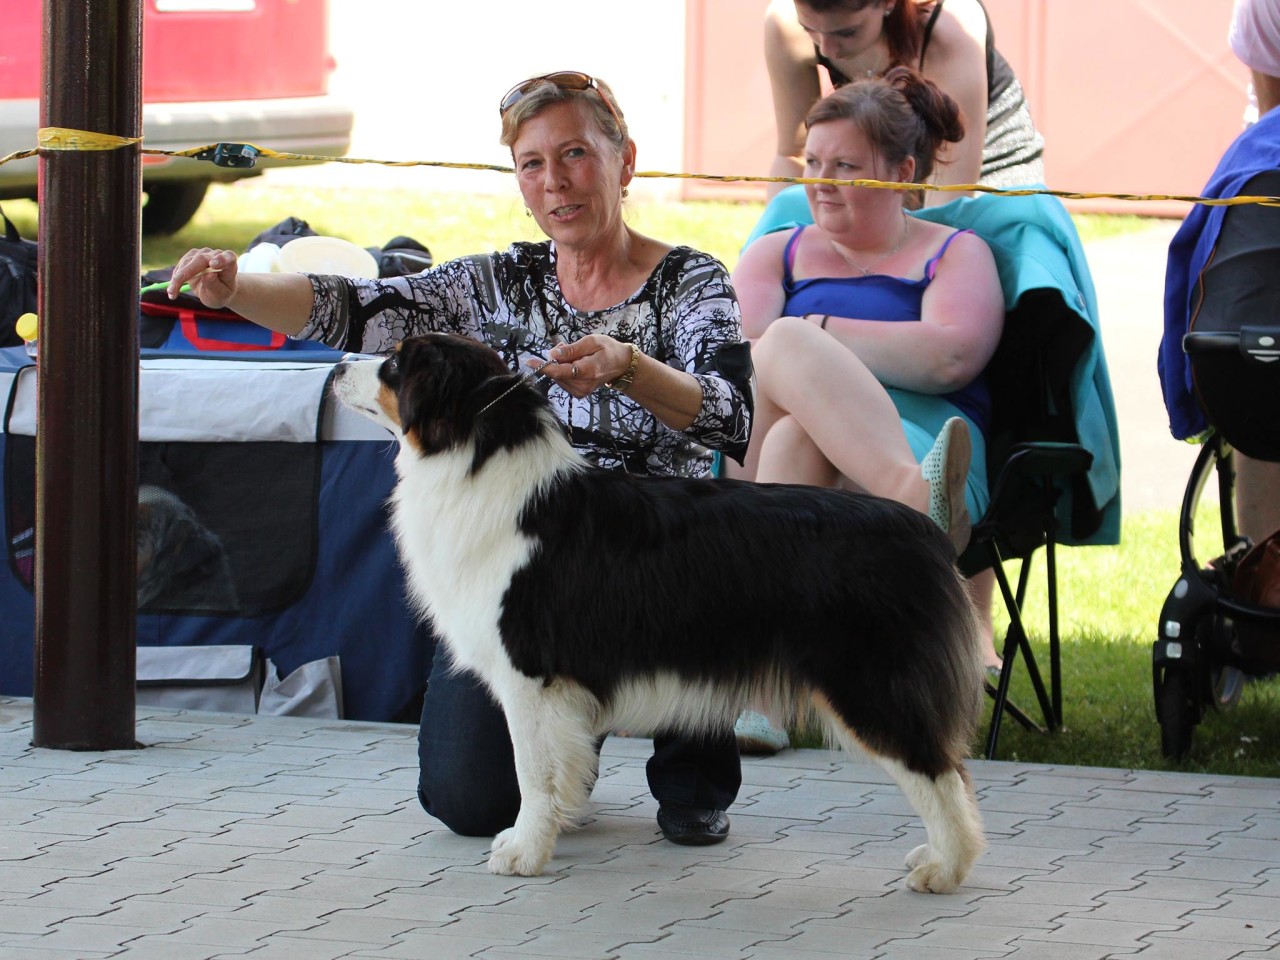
{"x": 946, "y": 804}
{"x": 949, "y": 809}
{"x": 554, "y": 748}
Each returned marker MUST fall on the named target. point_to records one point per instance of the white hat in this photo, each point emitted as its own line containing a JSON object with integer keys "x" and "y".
{"x": 1255, "y": 35}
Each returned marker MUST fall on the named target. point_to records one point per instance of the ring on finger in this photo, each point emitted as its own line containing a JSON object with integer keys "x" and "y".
{"x": 574, "y": 370}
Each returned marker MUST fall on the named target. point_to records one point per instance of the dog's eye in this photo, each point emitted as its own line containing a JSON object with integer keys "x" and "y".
{"x": 389, "y": 372}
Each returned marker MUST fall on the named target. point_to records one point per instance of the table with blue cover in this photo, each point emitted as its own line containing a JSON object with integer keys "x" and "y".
{"x": 249, "y": 449}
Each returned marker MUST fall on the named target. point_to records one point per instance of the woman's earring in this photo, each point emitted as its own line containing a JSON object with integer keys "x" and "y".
{"x": 528, "y": 212}
{"x": 624, "y": 193}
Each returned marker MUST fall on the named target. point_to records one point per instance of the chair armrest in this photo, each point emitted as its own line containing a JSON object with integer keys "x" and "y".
{"x": 1044, "y": 458}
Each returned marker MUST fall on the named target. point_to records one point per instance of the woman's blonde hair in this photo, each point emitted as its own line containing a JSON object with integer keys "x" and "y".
{"x": 612, "y": 124}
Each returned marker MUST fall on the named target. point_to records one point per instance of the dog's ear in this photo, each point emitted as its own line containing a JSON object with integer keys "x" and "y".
{"x": 445, "y": 381}
{"x": 508, "y": 416}
{"x": 430, "y": 394}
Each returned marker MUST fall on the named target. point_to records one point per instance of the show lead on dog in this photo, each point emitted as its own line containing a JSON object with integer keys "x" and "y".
{"x": 649, "y": 373}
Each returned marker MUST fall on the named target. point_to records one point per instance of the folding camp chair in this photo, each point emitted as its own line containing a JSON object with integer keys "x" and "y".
{"x": 1053, "y": 448}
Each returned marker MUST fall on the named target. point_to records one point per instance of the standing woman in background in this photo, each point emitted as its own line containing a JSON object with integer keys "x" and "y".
{"x": 949, "y": 41}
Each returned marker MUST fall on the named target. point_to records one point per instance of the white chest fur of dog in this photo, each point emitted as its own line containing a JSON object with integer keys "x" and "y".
{"x": 586, "y": 599}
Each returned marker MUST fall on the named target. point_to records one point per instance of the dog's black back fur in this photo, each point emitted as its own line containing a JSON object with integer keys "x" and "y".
{"x": 872, "y": 581}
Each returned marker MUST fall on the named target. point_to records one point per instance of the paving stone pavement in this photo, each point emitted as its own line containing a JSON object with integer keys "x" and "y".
{"x": 231, "y": 836}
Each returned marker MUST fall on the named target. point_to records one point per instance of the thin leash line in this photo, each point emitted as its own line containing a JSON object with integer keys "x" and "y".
{"x": 509, "y": 390}
{"x": 531, "y": 381}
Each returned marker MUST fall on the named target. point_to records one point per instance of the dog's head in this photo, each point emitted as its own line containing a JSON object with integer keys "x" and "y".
{"x": 441, "y": 392}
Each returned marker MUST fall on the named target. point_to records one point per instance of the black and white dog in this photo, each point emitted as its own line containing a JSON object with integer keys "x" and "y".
{"x": 590, "y": 601}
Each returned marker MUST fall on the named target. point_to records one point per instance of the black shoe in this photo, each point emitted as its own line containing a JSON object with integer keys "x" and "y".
{"x": 692, "y": 826}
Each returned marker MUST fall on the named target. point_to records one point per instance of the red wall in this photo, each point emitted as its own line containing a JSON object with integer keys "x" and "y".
{"x": 1132, "y": 96}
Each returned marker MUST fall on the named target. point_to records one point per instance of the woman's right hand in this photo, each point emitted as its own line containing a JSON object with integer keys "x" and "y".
{"x": 211, "y": 275}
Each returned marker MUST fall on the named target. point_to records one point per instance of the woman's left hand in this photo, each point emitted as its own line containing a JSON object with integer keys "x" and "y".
{"x": 585, "y": 365}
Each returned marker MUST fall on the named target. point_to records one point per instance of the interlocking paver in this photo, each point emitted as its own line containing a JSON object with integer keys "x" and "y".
{"x": 1198, "y": 866}
{"x": 846, "y": 939}
{"x": 1057, "y": 894}
{"x": 148, "y": 875}
{"x": 1117, "y": 934}
{"x": 280, "y": 837}
{"x": 703, "y": 941}
{"x": 28, "y": 918}
{"x": 212, "y": 891}
{"x": 970, "y": 937}
{"x": 1130, "y": 906}
{"x": 13, "y": 951}
{"x": 1261, "y": 910}
{"x": 1159, "y": 947}
{"x": 1221, "y": 933}
{"x": 286, "y": 947}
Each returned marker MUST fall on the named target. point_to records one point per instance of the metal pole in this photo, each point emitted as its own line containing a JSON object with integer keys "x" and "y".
{"x": 87, "y": 438}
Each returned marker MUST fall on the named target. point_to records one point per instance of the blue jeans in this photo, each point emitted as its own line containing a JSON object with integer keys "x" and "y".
{"x": 467, "y": 771}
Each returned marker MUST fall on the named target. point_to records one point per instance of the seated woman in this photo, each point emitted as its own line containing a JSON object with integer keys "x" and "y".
{"x": 871, "y": 328}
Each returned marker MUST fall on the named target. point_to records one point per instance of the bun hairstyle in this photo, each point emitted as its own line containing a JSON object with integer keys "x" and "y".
{"x": 612, "y": 124}
{"x": 901, "y": 114}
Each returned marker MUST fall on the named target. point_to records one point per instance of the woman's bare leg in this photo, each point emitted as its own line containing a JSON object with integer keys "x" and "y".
{"x": 981, "y": 587}
{"x": 828, "y": 392}
{"x": 789, "y": 455}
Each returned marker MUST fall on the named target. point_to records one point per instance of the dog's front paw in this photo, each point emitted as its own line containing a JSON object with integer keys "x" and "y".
{"x": 509, "y": 857}
{"x": 927, "y": 873}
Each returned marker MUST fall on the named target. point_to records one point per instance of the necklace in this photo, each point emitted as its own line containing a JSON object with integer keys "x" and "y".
{"x": 866, "y": 271}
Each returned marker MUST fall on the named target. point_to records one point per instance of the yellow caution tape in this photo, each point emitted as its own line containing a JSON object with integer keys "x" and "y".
{"x": 65, "y": 138}
{"x": 61, "y": 138}
{"x": 18, "y": 155}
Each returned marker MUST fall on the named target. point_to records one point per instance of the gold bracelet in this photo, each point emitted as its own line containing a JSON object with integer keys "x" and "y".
{"x": 623, "y": 383}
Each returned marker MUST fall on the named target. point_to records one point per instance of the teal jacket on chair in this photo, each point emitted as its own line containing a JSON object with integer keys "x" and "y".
{"x": 1037, "y": 248}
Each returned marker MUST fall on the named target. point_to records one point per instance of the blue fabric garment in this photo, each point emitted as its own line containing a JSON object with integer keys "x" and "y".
{"x": 1036, "y": 247}
{"x": 1255, "y": 151}
{"x": 881, "y": 297}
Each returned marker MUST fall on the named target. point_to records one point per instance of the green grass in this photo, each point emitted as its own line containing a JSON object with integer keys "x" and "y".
{"x": 1110, "y": 600}
{"x": 1110, "y": 596}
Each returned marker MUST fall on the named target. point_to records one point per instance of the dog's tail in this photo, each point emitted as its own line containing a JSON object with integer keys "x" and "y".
{"x": 909, "y": 688}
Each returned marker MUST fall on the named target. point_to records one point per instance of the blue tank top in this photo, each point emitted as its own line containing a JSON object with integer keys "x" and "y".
{"x": 880, "y": 297}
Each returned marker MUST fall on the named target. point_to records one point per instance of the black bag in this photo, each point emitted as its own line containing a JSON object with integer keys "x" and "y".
{"x": 17, "y": 281}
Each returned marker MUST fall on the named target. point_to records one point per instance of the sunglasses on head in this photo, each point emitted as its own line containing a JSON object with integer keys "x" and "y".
{"x": 565, "y": 80}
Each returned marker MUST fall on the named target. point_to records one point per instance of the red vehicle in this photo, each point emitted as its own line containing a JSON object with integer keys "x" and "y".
{"x": 213, "y": 71}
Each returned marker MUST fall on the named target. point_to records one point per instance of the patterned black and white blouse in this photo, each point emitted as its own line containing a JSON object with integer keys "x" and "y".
{"x": 685, "y": 315}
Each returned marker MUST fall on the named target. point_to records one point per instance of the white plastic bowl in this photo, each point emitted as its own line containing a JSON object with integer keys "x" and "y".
{"x": 326, "y": 255}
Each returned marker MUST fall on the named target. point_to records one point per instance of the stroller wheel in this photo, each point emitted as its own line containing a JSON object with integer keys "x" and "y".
{"x": 1176, "y": 710}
